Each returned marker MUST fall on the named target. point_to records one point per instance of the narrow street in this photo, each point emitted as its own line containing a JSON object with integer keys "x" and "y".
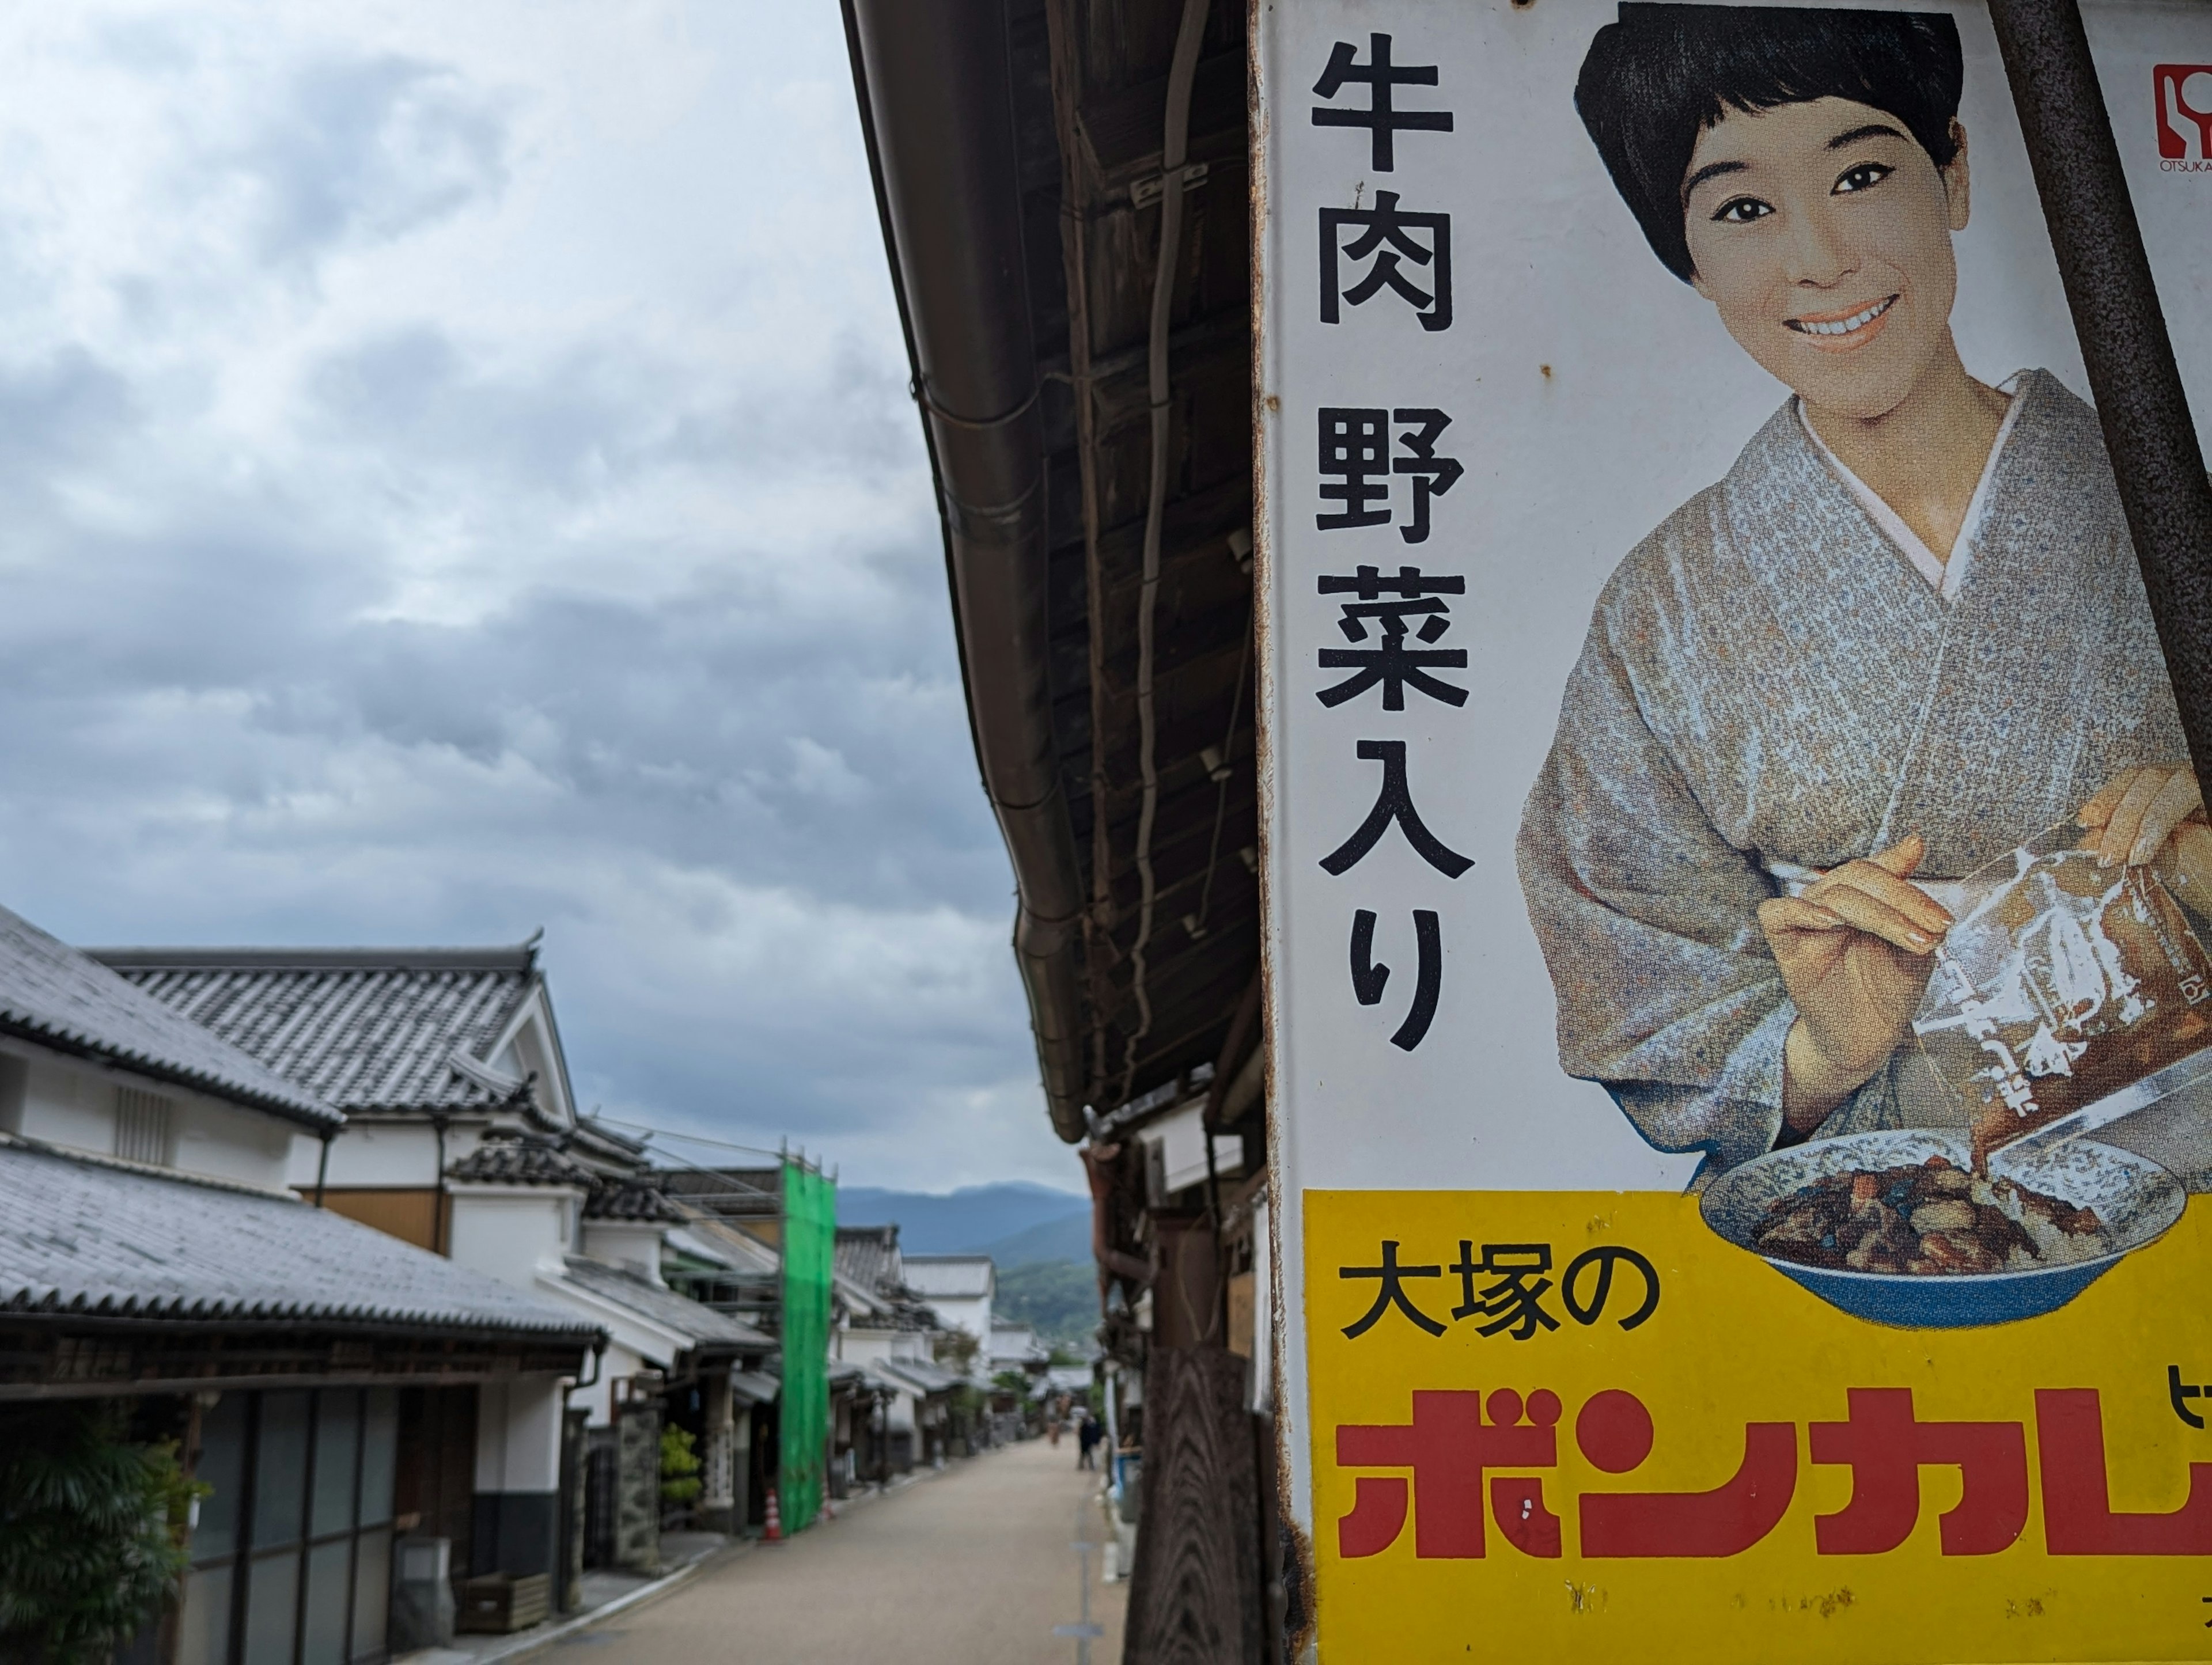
{"x": 973, "y": 1567}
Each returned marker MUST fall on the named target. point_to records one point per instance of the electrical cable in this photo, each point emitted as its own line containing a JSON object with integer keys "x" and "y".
{"x": 1183, "y": 70}
{"x": 1221, "y": 796}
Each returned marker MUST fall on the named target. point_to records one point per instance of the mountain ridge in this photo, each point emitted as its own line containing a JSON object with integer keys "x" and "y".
{"x": 1013, "y": 1217}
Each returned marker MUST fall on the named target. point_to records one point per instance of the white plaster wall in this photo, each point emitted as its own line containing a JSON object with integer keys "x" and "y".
{"x": 402, "y": 1155}
{"x": 225, "y": 1141}
{"x": 872, "y": 1347}
{"x": 865, "y": 1346}
{"x": 511, "y": 1232}
{"x": 68, "y": 1105}
{"x": 598, "y": 1399}
{"x": 519, "y": 1435}
{"x": 72, "y": 1104}
{"x": 633, "y": 1244}
{"x": 963, "y": 1312}
{"x": 1181, "y": 1136}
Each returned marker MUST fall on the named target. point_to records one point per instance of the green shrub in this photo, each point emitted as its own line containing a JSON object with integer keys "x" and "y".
{"x": 679, "y": 1467}
{"x": 91, "y": 1532}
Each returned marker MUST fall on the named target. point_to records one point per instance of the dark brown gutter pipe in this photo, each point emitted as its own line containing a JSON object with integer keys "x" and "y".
{"x": 2149, "y": 432}
{"x": 936, "y": 101}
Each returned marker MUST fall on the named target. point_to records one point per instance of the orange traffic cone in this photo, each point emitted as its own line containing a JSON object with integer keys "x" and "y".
{"x": 774, "y": 1532}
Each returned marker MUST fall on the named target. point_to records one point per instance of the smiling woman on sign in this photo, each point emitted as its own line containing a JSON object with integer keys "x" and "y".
{"x": 1903, "y": 635}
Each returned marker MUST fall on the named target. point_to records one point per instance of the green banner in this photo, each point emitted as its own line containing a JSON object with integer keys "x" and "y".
{"x": 810, "y": 1243}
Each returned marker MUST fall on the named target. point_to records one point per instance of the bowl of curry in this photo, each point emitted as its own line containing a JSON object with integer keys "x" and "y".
{"x": 1897, "y": 1227}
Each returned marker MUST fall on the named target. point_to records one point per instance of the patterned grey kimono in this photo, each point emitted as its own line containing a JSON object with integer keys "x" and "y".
{"x": 1768, "y": 683}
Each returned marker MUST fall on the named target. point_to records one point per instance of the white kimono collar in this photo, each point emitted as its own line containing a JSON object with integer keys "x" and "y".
{"x": 1944, "y": 577}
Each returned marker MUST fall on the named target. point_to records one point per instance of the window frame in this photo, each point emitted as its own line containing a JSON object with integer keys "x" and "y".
{"x": 245, "y": 1550}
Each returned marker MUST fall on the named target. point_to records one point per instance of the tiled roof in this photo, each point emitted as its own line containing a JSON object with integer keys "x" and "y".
{"x": 725, "y": 1246}
{"x": 869, "y": 1255}
{"x": 80, "y": 1236}
{"x": 57, "y": 995}
{"x": 367, "y": 1029}
{"x": 519, "y": 1162}
{"x": 754, "y": 1386}
{"x": 628, "y": 1200}
{"x": 950, "y": 1277}
{"x": 930, "y": 1378}
{"x": 702, "y": 1325}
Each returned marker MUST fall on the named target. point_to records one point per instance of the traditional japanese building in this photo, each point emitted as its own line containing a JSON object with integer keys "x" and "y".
{"x": 335, "y": 1386}
{"x": 960, "y": 1289}
{"x": 885, "y": 1327}
{"x": 425, "y": 1050}
{"x": 462, "y": 1135}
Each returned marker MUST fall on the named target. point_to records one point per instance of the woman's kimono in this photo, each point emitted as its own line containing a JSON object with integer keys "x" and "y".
{"x": 1769, "y": 685}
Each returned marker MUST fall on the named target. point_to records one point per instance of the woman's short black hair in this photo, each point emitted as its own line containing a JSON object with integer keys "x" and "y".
{"x": 1659, "y": 77}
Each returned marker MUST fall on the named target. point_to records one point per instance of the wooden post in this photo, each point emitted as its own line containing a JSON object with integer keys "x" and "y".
{"x": 2149, "y": 432}
{"x": 1195, "y": 1593}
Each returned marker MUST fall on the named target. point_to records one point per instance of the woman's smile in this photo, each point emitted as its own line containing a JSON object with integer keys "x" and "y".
{"x": 1821, "y": 233}
{"x": 1845, "y": 330}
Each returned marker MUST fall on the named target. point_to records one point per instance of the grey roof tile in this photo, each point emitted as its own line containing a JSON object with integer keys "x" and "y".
{"x": 869, "y": 1255}
{"x": 702, "y": 1324}
{"x": 754, "y": 1386}
{"x": 713, "y": 1240}
{"x": 520, "y": 1162}
{"x": 930, "y": 1378}
{"x": 58, "y": 995}
{"x": 368, "y": 1029}
{"x": 82, "y": 1235}
{"x": 629, "y": 1199}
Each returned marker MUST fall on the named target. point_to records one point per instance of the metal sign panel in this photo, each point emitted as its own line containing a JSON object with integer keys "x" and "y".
{"x": 1737, "y": 903}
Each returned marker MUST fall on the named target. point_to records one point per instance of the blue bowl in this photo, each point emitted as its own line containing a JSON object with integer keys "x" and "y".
{"x": 2136, "y": 1198}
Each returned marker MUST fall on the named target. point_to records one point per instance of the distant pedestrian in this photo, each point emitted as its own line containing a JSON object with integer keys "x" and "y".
{"x": 1087, "y": 1436}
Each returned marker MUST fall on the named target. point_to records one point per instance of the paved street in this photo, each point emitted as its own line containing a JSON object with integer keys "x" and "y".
{"x": 971, "y": 1567}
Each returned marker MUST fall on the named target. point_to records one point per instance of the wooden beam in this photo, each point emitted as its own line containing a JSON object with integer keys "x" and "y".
{"x": 1195, "y": 1593}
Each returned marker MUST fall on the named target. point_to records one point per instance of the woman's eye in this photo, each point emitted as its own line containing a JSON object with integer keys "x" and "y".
{"x": 1742, "y": 210}
{"x": 1859, "y": 178}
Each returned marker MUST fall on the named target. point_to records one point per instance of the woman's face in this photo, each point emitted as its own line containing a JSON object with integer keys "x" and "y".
{"x": 1822, "y": 233}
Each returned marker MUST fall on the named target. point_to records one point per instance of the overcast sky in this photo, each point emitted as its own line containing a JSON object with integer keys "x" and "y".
{"x": 456, "y": 476}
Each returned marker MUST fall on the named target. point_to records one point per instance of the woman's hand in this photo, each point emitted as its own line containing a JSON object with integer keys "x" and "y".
{"x": 2153, "y": 814}
{"x": 1854, "y": 951}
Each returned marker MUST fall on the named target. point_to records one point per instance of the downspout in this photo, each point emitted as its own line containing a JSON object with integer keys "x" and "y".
{"x": 323, "y": 1168}
{"x": 599, "y": 1357}
{"x": 439, "y": 1231}
{"x": 936, "y": 100}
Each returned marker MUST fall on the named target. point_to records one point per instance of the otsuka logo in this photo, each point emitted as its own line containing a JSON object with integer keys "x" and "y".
{"x": 2183, "y": 93}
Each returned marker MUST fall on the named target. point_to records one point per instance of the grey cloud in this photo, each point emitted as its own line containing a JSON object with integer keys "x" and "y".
{"x": 61, "y": 411}
{"x": 372, "y": 149}
{"x": 409, "y": 633}
{"x": 604, "y": 409}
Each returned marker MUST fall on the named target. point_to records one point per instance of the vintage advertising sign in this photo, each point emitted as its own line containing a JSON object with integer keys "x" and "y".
{"x": 1738, "y": 900}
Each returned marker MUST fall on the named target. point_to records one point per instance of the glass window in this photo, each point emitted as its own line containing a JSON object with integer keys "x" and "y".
{"x": 329, "y": 1614}
{"x": 379, "y": 1454}
{"x": 222, "y": 1466}
{"x": 204, "y": 1621}
{"x": 371, "y": 1593}
{"x": 272, "y": 1608}
{"x": 338, "y": 1436}
{"x": 291, "y": 1467}
{"x": 280, "y": 1469}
